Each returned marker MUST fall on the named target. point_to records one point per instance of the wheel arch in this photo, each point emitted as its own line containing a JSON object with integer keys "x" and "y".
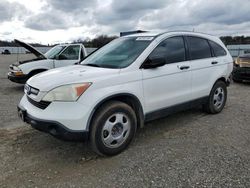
{"x": 36, "y": 71}
{"x": 127, "y": 98}
{"x": 223, "y": 79}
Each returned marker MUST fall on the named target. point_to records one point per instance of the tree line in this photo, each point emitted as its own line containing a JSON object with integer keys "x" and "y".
{"x": 101, "y": 40}
{"x": 229, "y": 40}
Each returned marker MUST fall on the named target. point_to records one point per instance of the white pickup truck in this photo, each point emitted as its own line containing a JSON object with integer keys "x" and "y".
{"x": 59, "y": 56}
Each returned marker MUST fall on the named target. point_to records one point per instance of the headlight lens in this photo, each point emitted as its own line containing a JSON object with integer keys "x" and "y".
{"x": 237, "y": 61}
{"x": 67, "y": 92}
{"x": 15, "y": 68}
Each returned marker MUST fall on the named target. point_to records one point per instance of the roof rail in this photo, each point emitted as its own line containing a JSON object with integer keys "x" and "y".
{"x": 184, "y": 32}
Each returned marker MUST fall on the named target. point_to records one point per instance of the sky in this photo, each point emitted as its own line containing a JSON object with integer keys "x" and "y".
{"x": 59, "y": 21}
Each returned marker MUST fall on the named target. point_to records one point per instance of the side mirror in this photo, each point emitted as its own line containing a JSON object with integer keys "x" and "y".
{"x": 56, "y": 57}
{"x": 154, "y": 62}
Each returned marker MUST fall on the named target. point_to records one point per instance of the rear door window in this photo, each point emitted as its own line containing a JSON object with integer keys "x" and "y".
{"x": 198, "y": 48}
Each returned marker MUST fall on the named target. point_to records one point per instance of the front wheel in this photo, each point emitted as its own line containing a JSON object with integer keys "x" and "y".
{"x": 113, "y": 128}
{"x": 217, "y": 98}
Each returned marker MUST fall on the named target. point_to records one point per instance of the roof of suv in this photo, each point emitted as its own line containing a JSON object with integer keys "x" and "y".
{"x": 155, "y": 34}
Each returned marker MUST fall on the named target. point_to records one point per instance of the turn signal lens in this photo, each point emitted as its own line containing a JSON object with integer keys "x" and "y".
{"x": 18, "y": 73}
{"x": 81, "y": 89}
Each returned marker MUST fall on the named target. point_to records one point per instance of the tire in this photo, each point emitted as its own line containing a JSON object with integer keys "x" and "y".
{"x": 217, "y": 98}
{"x": 113, "y": 127}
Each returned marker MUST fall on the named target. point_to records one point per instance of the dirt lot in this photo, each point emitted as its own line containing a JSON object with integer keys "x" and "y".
{"x": 188, "y": 149}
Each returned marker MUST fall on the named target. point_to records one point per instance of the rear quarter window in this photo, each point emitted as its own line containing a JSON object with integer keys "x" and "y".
{"x": 198, "y": 48}
{"x": 217, "y": 49}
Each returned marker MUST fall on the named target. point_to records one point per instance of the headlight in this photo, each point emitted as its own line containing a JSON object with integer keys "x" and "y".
{"x": 237, "y": 61}
{"x": 67, "y": 92}
{"x": 17, "y": 71}
{"x": 16, "y": 68}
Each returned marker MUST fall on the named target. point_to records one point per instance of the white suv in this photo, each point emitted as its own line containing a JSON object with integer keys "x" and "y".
{"x": 132, "y": 80}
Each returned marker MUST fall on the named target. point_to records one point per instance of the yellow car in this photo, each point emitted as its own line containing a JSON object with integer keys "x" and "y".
{"x": 241, "y": 70}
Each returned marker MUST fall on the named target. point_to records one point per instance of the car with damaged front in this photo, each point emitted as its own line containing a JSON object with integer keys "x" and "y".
{"x": 241, "y": 70}
{"x": 59, "y": 56}
{"x": 132, "y": 80}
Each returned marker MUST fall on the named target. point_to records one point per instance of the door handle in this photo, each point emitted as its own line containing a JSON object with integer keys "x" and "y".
{"x": 214, "y": 63}
{"x": 183, "y": 67}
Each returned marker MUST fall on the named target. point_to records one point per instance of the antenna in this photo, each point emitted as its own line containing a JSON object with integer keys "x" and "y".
{"x": 17, "y": 55}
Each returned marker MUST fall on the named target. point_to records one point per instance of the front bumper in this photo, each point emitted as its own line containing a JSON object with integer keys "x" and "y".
{"x": 241, "y": 73}
{"x": 52, "y": 127}
{"x": 64, "y": 120}
{"x": 18, "y": 79}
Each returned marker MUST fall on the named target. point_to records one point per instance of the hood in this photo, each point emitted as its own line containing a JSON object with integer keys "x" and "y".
{"x": 37, "y": 53}
{"x": 27, "y": 61}
{"x": 67, "y": 75}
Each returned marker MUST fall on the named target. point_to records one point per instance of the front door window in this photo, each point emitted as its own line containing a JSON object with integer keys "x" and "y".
{"x": 70, "y": 53}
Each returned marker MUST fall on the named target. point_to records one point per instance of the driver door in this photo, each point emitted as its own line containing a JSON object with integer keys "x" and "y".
{"x": 167, "y": 85}
{"x": 69, "y": 56}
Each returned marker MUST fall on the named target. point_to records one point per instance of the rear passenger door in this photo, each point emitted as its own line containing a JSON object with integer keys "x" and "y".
{"x": 204, "y": 66}
{"x": 170, "y": 84}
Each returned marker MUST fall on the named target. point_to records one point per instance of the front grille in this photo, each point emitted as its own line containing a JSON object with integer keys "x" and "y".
{"x": 41, "y": 104}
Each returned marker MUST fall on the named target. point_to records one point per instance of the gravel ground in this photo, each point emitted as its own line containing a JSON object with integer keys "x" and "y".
{"x": 187, "y": 149}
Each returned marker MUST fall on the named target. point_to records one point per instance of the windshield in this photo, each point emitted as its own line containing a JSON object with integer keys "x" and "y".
{"x": 54, "y": 51}
{"x": 119, "y": 53}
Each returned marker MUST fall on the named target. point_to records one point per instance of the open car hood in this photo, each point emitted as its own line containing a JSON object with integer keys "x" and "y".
{"x": 37, "y": 53}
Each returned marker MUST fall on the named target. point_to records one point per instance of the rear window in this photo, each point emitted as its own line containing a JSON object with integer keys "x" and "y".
{"x": 217, "y": 49}
{"x": 198, "y": 48}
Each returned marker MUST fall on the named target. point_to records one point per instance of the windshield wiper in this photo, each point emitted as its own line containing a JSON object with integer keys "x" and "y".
{"x": 102, "y": 66}
{"x": 91, "y": 65}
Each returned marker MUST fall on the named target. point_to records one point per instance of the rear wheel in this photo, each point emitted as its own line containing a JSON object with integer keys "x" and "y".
{"x": 113, "y": 128}
{"x": 217, "y": 98}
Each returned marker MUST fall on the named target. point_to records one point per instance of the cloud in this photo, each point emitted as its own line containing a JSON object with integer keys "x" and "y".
{"x": 6, "y": 33}
{"x": 9, "y": 11}
{"x": 61, "y": 14}
{"x": 125, "y": 15}
{"x": 193, "y": 13}
{"x": 71, "y": 6}
{"x": 87, "y": 18}
{"x": 120, "y": 15}
{"x": 47, "y": 21}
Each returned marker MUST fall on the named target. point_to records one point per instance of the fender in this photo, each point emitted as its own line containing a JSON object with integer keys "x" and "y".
{"x": 121, "y": 97}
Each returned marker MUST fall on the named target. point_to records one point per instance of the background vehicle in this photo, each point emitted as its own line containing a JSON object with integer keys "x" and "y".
{"x": 131, "y": 80}
{"x": 6, "y": 52}
{"x": 241, "y": 70}
{"x": 59, "y": 56}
